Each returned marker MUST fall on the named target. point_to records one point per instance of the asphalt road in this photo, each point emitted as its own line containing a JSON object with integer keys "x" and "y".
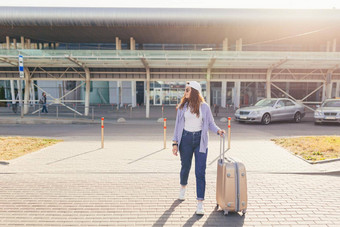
{"x": 151, "y": 130}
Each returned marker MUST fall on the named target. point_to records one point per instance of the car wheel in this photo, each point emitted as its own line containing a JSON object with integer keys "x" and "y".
{"x": 297, "y": 117}
{"x": 266, "y": 119}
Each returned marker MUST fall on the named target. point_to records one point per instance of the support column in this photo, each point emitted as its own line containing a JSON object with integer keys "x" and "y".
{"x": 237, "y": 96}
{"x": 22, "y": 42}
{"x": 334, "y": 45}
{"x": 328, "y": 47}
{"x": 119, "y": 84}
{"x": 121, "y": 93}
{"x": 328, "y": 84}
{"x": 147, "y": 93}
{"x": 337, "y": 90}
{"x": 87, "y": 91}
{"x": 19, "y": 92}
{"x": 268, "y": 86}
{"x": 27, "y": 90}
{"x": 133, "y": 93}
{"x": 287, "y": 88}
{"x": 28, "y": 43}
{"x": 132, "y": 44}
{"x": 240, "y": 45}
{"x": 256, "y": 91}
{"x": 225, "y": 44}
{"x": 12, "y": 81}
{"x": 118, "y": 44}
{"x": 224, "y": 94}
{"x": 7, "y": 43}
{"x": 32, "y": 92}
{"x": 323, "y": 92}
{"x": 12, "y": 91}
{"x": 208, "y": 87}
{"x": 15, "y": 43}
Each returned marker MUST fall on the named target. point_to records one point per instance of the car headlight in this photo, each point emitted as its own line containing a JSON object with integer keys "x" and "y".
{"x": 254, "y": 113}
{"x": 318, "y": 113}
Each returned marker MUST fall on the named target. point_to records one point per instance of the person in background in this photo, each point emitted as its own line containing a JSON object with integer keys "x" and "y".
{"x": 43, "y": 102}
{"x": 194, "y": 119}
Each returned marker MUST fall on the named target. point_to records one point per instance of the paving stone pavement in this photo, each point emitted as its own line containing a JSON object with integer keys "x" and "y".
{"x": 75, "y": 183}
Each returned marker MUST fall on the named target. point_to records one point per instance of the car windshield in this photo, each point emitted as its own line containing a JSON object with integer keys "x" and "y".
{"x": 333, "y": 103}
{"x": 266, "y": 102}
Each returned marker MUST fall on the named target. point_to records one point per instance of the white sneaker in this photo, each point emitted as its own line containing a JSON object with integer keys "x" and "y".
{"x": 182, "y": 194}
{"x": 200, "y": 209}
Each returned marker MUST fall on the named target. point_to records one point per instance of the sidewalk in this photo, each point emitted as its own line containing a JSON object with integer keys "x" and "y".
{"x": 136, "y": 184}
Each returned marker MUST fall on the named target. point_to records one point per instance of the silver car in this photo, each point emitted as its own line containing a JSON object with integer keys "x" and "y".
{"x": 329, "y": 111}
{"x": 268, "y": 110}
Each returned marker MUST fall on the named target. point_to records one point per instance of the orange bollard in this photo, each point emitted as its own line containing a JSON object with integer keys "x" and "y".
{"x": 102, "y": 132}
{"x": 164, "y": 133}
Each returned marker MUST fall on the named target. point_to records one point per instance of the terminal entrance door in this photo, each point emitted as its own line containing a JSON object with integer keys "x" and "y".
{"x": 216, "y": 94}
{"x": 157, "y": 99}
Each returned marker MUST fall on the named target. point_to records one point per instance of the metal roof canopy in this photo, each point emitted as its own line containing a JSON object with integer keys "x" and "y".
{"x": 171, "y": 59}
{"x": 169, "y": 25}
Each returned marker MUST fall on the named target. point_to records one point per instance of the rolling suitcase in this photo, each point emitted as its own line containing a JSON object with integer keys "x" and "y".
{"x": 231, "y": 183}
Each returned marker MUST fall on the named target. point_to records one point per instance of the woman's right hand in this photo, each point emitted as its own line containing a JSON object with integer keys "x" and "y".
{"x": 175, "y": 150}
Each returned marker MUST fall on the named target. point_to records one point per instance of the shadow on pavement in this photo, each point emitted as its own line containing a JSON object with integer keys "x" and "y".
{"x": 72, "y": 156}
{"x": 165, "y": 216}
{"x": 145, "y": 156}
{"x": 191, "y": 221}
{"x": 4, "y": 163}
{"x": 217, "y": 218}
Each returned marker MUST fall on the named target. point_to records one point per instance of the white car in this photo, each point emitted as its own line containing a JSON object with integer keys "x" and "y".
{"x": 329, "y": 111}
{"x": 268, "y": 110}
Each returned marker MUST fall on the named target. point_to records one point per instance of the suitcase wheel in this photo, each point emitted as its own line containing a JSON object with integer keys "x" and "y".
{"x": 244, "y": 212}
{"x": 226, "y": 212}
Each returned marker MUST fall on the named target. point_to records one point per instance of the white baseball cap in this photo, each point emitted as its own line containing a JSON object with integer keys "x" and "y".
{"x": 195, "y": 85}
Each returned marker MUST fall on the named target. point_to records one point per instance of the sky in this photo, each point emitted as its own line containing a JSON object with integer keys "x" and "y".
{"x": 277, "y": 4}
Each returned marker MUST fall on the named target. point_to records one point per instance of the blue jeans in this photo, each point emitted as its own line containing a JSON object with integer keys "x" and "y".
{"x": 44, "y": 109}
{"x": 190, "y": 144}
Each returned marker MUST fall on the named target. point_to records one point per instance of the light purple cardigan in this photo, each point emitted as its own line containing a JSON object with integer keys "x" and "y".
{"x": 208, "y": 123}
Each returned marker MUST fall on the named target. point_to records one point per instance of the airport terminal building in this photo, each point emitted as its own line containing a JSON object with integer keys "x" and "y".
{"x": 144, "y": 56}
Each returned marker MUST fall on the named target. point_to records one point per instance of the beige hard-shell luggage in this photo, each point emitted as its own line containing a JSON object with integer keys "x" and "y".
{"x": 231, "y": 184}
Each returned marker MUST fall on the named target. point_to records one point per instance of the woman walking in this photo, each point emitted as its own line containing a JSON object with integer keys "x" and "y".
{"x": 194, "y": 119}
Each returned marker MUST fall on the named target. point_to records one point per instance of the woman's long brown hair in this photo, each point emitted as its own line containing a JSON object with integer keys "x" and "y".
{"x": 193, "y": 101}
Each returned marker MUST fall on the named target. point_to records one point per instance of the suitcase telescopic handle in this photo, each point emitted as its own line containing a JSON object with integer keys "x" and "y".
{"x": 222, "y": 146}
{"x": 222, "y": 141}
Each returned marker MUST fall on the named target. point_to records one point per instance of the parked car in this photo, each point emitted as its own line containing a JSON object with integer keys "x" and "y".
{"x": 268, "y": 110}
{"x": 329, "y": 111}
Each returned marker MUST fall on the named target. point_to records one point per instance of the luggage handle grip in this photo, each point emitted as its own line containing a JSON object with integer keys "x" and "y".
{"x": 222, "y": 145}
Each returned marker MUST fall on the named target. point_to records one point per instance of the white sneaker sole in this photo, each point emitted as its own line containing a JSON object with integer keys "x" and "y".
{"x": 200, "y": 212}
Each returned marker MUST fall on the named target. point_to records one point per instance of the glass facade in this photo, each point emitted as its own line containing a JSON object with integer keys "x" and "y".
{"x": 169, "y": 93}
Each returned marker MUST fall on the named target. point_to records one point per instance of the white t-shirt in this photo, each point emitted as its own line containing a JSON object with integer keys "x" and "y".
{"x": 192, "y": 123}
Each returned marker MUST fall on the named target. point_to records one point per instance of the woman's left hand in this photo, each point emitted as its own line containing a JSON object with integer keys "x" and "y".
{"x": 221, "y": 132}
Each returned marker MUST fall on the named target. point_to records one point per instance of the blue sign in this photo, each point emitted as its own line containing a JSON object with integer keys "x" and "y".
{"x": 21, "y": 66}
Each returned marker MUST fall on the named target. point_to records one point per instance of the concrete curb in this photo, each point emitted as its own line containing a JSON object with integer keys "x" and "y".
{"x": 44, "y": 121}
